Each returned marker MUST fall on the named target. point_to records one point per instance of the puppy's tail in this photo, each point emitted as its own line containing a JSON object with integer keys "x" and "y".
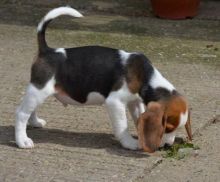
{"x": 42, "y": 44}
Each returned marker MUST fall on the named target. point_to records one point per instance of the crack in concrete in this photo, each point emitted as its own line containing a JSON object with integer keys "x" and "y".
{"x": 148, "y": 170}
{"x": 214, "y": 120}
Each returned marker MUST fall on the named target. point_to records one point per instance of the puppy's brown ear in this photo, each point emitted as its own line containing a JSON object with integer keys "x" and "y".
{"x": 188, "y": 127}
{"x": 151, "y": 126}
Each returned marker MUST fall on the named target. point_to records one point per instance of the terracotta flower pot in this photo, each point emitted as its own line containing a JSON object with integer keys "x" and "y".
{"x": 175, "y": 9}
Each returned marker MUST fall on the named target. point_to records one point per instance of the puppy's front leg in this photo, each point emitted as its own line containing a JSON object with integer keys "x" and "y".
{"x": 35, "y": 121}
{"x": 136, "y": 108}
{"x": 117, "y": 113}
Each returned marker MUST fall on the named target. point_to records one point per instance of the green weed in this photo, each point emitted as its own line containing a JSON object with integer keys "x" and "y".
{"x": 174, "y": 150}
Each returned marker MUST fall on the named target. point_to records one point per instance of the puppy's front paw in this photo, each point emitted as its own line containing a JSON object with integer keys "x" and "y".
{"x": 24, "y": 142}
{"x": 37, "y": 122}
{"x": 130, "y": 143}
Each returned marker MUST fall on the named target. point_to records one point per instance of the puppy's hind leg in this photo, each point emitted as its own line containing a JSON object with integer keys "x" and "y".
{"x": 33, "y": 98}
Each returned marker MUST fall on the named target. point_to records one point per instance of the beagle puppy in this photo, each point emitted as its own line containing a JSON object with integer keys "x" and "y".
{"x": 101, "y": 75}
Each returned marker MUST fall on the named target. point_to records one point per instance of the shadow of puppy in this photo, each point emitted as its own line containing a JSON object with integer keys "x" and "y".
{"x": 71, "y": 139}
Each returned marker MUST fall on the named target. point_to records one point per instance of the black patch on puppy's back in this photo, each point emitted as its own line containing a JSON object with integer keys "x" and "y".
{"x": 90, "y": 69}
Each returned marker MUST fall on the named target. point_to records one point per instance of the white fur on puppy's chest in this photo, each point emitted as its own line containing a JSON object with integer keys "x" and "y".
{"x": 93, "y": 98}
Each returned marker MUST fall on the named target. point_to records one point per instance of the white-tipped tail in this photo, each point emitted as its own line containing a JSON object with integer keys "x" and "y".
{"x": 58, "y": 12}
{"x": 42, "y": 44}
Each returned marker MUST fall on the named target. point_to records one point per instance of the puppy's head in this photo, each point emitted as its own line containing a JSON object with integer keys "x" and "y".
{"x": 162, "y": 117}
